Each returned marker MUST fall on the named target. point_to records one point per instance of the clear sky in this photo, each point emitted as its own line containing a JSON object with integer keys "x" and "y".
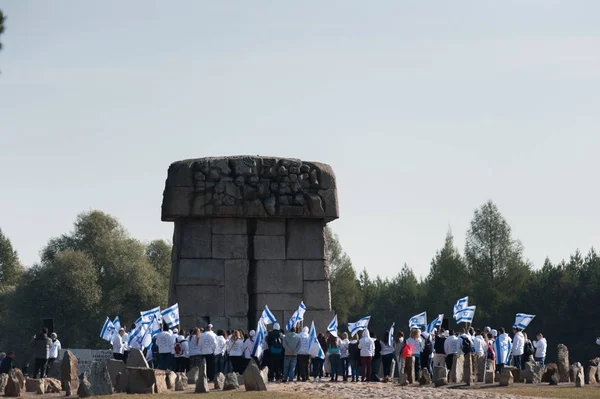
{"x": 425, "y": 110}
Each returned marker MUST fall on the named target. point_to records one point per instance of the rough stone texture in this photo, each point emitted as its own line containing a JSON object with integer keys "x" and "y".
{"x": 490, "y": 376}
{"x": 425, "y": 378}
{"x": 136, "y": 359}
{"x": 114, "y": 368}
{"x": 41, "y": 388}
{"x": 554, "y": 379}
{"x": 578, "y": 375}
{"x": 409, "y": 369}
{"x": 480, "y": 365}
{"x": 247, "y": 227}
{"x": 468, "y": 374}
{"x": 240, "y": 379}
{"x": 458, "y": 368}
{"x": 13, "y": 387}
{"x": 516, "y": 373}
{"x": 532, "y": 373}
{"x": 563, "y": 363}
{"x": 231, "y": 382}
{"x": 440, "y": 382}
{"x": 122, "y": 381}
{"x": 85, "y": 387}
{"x": 506, "y": 378}
{"x": 3, "y": 381}
{"x": 160, "y": 381}
{"x": 68, "y": 374}
{"x": 18, "y": 374}
{"x": 32, "y": 384}
{"x": 219, "y": 381}
{"x": 141, "y": 380}
{"x": 202, "y": 382}
{"x": 181, "y": 382}
{"x": 54, "y": 370}
{"x": 100, "y": 379}
{"x": 591, "y": 374}
{"x": 551, "y": 370}
{"x": 254, "y": 379}
{"x": 192, "y": 375}
{"x": 52, "y": 385}
{"x": 170, "y": 379}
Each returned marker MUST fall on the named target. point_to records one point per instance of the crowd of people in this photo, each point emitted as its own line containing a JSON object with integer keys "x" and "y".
{"x": 46, "y": 350}
{"x": 362, "y": 357}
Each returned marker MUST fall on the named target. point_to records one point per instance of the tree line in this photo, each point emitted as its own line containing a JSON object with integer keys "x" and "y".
{"x": 98, "y": 269}
{"x": 497, "y": 278}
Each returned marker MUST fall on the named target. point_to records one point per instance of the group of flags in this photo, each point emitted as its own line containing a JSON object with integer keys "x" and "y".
{"x": 146, "y": 326}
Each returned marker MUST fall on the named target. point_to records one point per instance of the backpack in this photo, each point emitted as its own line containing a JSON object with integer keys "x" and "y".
{"x": 491, "y": 354}
{"x": 467, "y": 346}
{"x": 428, "y": 347}
{"x": 406, "y": 352}
{"x": 178, "y": 349}
{"x": 528, "y": 350}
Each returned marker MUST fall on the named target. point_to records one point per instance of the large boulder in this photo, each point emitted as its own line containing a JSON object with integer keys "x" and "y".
{"x": 469, "y": 369}
{"x": 136, "y": 359}
{"x": 170, "y": 378}
{"x": 231, "y": 382}
{"x": 506, "y": 378}
{"x": 3, "y": 381}
{"x": 219, "y": 381}
{"x": 140, "y": 380}
{"x": 202, "y": 382}
{"x": 181, "y": 382}
{"x": 409, "y": 369}
{"x": 532, "y": 373}
{"x": 18, "y": 374}
{"x": 563, "y": 363}
{"x": 85, "y": 387}
{"x": 114, "y": 368}
{"x": 591, "y": 374}
{"x": 68, "y": 375}
{"x": 13, "y": 387}
{"x": 578, "y": 375}
{"x": 52, "y": 385}
{"x": 160, "y": 376}
{"x": 33, "y": 384}
{"x": 122, "y": 381}
{"x": 425, "y": 378}
{"x": 480, "y": 366}
{"x": 254, "y": 379}
{"x": 192, "y": 375}
{"x": 515, "y": 371}
{"x": 100, "y": 379}
{"x": 551, "y": 369}
{"x": 458, "y": 368}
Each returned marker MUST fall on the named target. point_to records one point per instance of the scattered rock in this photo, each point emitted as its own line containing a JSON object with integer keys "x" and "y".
{"x": 52, "y": 385}
{"x": 550, "y": 371}
{"x": 122, "y": 381}
{"x": 563, "y": 363}
{"x": 490, "y": 376}
{"x": 240, "y": 379}
{"x": 136, "y": 359}
{"x": 138, "y": 380}
{"x": 100, "y": 379}
{"x": 68, "y": 375}
{"x": 181, "y": 382}
{"x": 231, "y": 382}
{"x": 469, "y": 376}
{"x": 506, "y": 378}
{"x": 32, "y": 384}
{"x": 554, "y": 379}
{"x": 3, "y": 381}
{"x": 409, "y": 369}
{"x": 41, "y": 389}
{"x": 114, "y": 368}
{"x": 457, "y": 370}
{"x": 579, "y": 375}
{"x": 440, "y": 382}
{"x": 85, "y": 388}
{"x": 253, "y": 378}
{"x": 591, "y": 374}
{"x": 170, "y": 379}
{"x": 192, "y": 375}
{"x": 219, "y": 381}
{"x": 160, "y": 381}
{"x": 202, "y": 382}
{"x": 20, "y": 377}
{"x": 13, "y": 388}
{"x": 425, "y": 379}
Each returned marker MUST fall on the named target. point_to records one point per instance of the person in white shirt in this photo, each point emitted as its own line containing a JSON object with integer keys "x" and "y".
{"x": 303, "y": 357}
{"x": 235, "y": 348}
{"x": 220, "y": 352}
{"x": 518, "y": 348}
{"x": 164, "y": 342}
{"x": 126, "y": 348}
{"x": 479, "y": 344}
{"x": 345, "y": 355}
{"x": 540, "y": 346}
{"x": 54, "y": 352}
{"x": 180, "y": 349}
{"x": 367, "y": 351}
{"x": 208, "y": 346}
{"x": 249, "y": 346}
{"x": 452, "y": 347}
{"x": 195, "y": 348}
{"x": 416, "y": 344}
{"x": 117, "y": 344}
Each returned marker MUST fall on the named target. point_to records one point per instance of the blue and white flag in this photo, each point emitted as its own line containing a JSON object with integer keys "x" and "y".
{"x": 503, "y": 347}
{"x": 333, "y": 326}
{"x": 314, "y": 348}
{"x": 117, "y": 324}
{"x": 391, "y": 335}
{"x": 435, "y": 323}
{"x": 259, "y": 340}
{"x": 107, "y": 330}
{"x": 267, "y": 317}
{"x": 418, "y": 321}
{"x": 155, "y": 325}
{"x": 171, "y": 315}
{"x": 363, "y": 323}
{"x": 147, "y": 315}
{"x": 522, "y": 320}
{"x": 297, "y": 317}
{"x": 460, "y": 305}
{"x": 465, "y": 315}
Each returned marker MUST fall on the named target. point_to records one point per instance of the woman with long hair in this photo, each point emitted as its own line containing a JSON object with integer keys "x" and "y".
{"x": 387, "y": 355}
{"x": 415, "y": 342}
{"x": 195, "y": 348}
{"x": 333, "y": 348}
{"x": 354, "y": 356}
{"x": 235, "y": 347}
{"x": 345, "y": 355}
{"x": 398, "y": 346}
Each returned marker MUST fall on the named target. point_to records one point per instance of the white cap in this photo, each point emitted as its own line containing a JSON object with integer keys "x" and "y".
{"x": 487, "y": 329}
{"x": 276, "y": 326}
{"x": 175, "y": 330}
{"x": 54, "y": 335}
{"x": 122, "y": 329}
{"x": 252, "y": 333}
{"x": 210, "y": 326}
{"x": 495, "y": 333}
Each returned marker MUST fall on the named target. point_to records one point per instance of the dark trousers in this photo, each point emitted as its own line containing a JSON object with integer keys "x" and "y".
{"x": 355, "y": 365}
{"x": 275, "y": 366}
{"x": 125, "y": 356}
{"x": 366, "y": 364}
{"x": 210, "y": 366}
{"x": 182, "y": 364}
{"x": 237, "y": 364}
{"x": 387, "y": 364}
{"x": 518, "y": 360}
{"x": 118, "y": 356}
{"x": 345, "y": 364}
{"x": 164, "y": 361}
{"x": 40, "y": 366}
{"x": 449, "y": 361}
{"x": 318, "y": 367}
{"x": 303, "y": 364}
{"x": 336, "y": 364}
{"x": 500, "y": 368}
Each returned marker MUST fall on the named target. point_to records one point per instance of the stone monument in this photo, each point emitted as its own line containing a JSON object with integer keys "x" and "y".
{"x": 249, "y": 232}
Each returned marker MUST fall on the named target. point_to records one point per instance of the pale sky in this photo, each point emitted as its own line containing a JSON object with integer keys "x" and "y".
{"x": 425, "y": 110}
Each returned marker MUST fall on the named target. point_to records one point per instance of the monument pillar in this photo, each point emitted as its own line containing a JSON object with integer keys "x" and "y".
{"x": 249, "y": 232}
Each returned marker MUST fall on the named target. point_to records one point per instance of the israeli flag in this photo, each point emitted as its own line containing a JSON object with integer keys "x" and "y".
{"x": 435, "y": 323}
{"x": 465, "y": 315}
{"x": 147, "y": 315}
{"x": 522, "y": 320}
{"x": 117, "y": 324}
{"x": 171, "y": 315}
{"x": 107, "y": 330}
{"x": 460, "y": 305}
{"x": 333, "y": 326}
{"x": 155, "y": 326}
{"x": 261, "y": 335}
{"x": 418, "y": 321}
{"x": 503, "y": 347}
{"x": 314, "y": 347}
{"x": 297, "y": 317}
{"x": 391, "y": 335}
{"x": 363, "y": 323}
{"x": 267, "y": 317}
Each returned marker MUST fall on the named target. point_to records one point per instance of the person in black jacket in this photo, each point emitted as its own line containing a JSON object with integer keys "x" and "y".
{"x": 354, "y": 355}
{"x": 376, "y": 359}
{"x": 7, "y": 363}
{"x": 41, "y": 351}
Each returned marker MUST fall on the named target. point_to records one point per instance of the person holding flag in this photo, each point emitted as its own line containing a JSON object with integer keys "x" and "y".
{"x": 387, "y": 354}
{"x": 118, "y": 347}
{"x": 275, "y": 343}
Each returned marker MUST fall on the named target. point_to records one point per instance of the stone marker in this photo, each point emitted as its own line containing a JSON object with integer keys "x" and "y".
{"x": 68, "y": 375}
{"x": 20, "y": 377}
{"x": 254, "y": 379}
{"x": 563, "y": 363}
{"x": 52, "y": 385}
{"x": 139, "y": 380}
{"x": 202, "y": 382}
{"x": 114, "y": 368}
{"x": 192, "y": 375}
{"x": 160, "y": 381}
{"x": 249, "y": 227}
{"x": 136, "y": 359}
{"x": 457, "y": 370}
{"x": 506, "y": 378}
{"x": 122, "y": 381}
{"x": 231, "y": 382}
{"x": 32, "y": 384}
{"x": 219, "y": 381}
{"x": 85, "y": 387}
{"x": 3, "y": 381}
{"x": 170, "y": 379}
{"x": 469, "y": 366}
{"x": 13, "y": 387}
{"x": 516, "y": 372}
{"x": 578, "y": 375}
{"x": 409, "y": 369}
{"x": 554, "y": 379}
{"x": 425, "y": 379}
{"x": 551, "y": 369}
{"x": 181, "y": 382}
{"x": 591, "y": 373}
{"x": 490, "y": 376}
{"x": 100, "y": 379}
{"x": 41, "y": 388}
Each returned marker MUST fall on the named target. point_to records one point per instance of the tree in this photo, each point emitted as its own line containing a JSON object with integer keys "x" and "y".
{"x": 158, "y": 253}
{"x": 2, "y": 21}
{"x": 495, "y": 261}
{"x": 10, "y": 266}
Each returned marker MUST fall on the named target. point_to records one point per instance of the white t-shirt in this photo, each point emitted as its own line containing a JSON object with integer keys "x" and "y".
{"x": 479, "y": 345}
{"x": 164, "y": 342}
{"x": 518, "y": 344}
{"x": 453, "y": 345}
{"x": 54, "y": 349}
{"x": 208, "y": 343}
{"x": 540, "y": 347}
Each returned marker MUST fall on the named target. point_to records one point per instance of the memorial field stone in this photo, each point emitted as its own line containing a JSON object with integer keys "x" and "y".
{"x": 249, "y": 231}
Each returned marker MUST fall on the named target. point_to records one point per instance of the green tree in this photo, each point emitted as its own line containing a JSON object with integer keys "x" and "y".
{"x": 158, "y": 253}
{"x": 10, "y": 266}
{"x": 2, "y": 21}
{"x": 495, "y": 262}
